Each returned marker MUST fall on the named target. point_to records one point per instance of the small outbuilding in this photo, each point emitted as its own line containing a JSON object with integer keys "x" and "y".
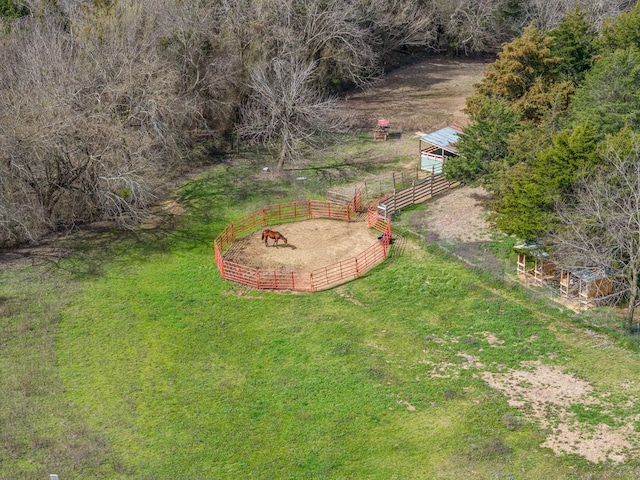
{"x": 436, "y": 147}
{"x": 382, "y": 130}
{"x": 585, "y": 283}
{"x": 535, "y": 264}
{"x": 582, "y": 287}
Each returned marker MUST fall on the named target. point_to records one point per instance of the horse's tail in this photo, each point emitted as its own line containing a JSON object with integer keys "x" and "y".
{"x": 264, "y": 234}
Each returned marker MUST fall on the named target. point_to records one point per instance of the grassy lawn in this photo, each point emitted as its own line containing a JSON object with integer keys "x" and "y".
{"x": 137, "y": 361}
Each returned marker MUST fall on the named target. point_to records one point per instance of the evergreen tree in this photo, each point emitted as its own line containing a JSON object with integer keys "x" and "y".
{"x": 484, "y": 142}
{"x": 525, "y": 75}
{"x": 622, "y": 31}
{"x": 573, "y": 44}
{"x": 527, "y": 205}
{"x": 610, "y": 96}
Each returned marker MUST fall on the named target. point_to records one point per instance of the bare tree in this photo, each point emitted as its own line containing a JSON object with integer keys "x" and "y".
{"x": 285, "y": 111}
{"x": 547, "y": 15}
{"x": 89, "y": 114}
{"x": 469, "y": 26}
{"x": 601, "y": 226}
{"x": 334, "y": 39}
{"x": 395, "y": 24}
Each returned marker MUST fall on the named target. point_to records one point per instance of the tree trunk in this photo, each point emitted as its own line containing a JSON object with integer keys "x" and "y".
{"x": 633, "y": 298}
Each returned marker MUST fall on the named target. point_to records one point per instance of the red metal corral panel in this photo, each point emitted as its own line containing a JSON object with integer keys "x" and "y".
{"x": 285, "y": 212}
{"x": 357, "y": 201}
{"x": 247, "y": 224}
{"x": 241, "y": 274}
{"x": 219, "y": 260}
{"x": 336, "y": 211}
{"x": 284, "y": 280}
{"x": 370, "y": 257}
{"x": 332, "y": 274}
{"x": 225, "y": 238}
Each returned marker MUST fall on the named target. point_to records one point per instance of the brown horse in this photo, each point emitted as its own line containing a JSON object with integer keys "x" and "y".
{"x": 276, "y": 236}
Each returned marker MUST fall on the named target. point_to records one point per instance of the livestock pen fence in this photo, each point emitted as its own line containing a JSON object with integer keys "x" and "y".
{"x": 378, "y": 186}
{"x": 310, "y": 281}
{"x": 419, "y": 191}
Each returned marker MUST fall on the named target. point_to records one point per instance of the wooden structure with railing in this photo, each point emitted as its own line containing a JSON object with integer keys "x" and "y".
{"x": 436, "y": 147}
{"x": 419, "y": 191}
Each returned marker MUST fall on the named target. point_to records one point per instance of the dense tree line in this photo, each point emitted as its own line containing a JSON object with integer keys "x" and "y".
{"x": 554, "y": 137}
{"x": 100, "y": 98}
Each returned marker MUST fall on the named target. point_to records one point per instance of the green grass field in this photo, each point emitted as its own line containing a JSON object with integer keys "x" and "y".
{"x": 135, "y": 360}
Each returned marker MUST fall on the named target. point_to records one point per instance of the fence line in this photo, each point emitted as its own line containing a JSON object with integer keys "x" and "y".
{"x": 310, "y": 281}
{"x": 354, "y": 200}
{"x": 419, "y": 191}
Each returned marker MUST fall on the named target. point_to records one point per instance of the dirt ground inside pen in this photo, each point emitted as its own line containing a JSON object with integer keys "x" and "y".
{"x": 311, "y": 244}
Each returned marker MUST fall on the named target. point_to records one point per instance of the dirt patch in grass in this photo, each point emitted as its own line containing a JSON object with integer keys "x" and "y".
{"x": 575, "y": 418}
{"x": 421, "y": 97}
{"x": 457, "y": 216}
{"x": 460, "y": 215}
{"x": 545, "y": 393}
{"x": 311, "y": 244}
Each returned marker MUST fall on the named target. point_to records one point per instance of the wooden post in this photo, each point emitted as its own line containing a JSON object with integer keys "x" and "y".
{"x": 394, "y": 180}
{"x": 394, "y": 200}
{"x": 432, "y": 175}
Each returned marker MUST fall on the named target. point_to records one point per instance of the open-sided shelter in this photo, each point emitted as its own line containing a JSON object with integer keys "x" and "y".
{"x": 436, "y": 147}
{"x": 585, "y": 283}
{"x": 535, "y": 264}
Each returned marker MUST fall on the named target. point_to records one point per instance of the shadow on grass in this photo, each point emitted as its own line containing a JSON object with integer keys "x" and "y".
{"x": 210, "y": 202}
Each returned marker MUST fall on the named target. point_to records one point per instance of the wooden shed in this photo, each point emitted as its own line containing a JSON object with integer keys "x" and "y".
{"x": 585, "y": 283}
{"x": 436, "y": 147}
